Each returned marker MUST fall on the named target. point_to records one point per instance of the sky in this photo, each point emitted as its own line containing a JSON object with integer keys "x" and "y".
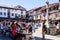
{"x": 28, "y": 4}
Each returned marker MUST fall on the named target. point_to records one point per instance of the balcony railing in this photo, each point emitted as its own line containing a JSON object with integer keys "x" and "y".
{"x": 54, "y": 11}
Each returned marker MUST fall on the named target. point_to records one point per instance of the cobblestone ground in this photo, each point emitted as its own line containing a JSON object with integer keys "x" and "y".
{"x": 38, "y": 35}
{"x": 3, "y": 37}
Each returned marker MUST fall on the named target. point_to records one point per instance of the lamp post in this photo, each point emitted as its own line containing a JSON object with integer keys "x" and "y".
{"x": 47, "y": 21}
{"x": 47, "y": 13}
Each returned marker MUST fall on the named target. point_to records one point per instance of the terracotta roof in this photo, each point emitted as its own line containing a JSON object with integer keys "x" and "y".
{"x": 50, "y": 5}
{"x": 33, "y": 8}
{"x": 10, "y": 7}
{"x": 44, "y": 7}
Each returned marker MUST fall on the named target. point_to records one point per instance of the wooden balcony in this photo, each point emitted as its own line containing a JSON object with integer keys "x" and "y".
{"x": 54, "y": 11}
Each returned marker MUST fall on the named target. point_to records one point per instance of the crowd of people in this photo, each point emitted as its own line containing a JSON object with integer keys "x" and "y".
{"x": 54, "y": 27}
{"x": 14, "y": 30}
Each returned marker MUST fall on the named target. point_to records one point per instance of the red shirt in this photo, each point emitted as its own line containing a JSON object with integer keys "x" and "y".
{"x": 13, "y": 30}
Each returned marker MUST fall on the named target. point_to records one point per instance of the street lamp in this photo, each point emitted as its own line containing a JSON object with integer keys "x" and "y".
{"x": 47, "y": 14}
{"x": 47, "y": 20}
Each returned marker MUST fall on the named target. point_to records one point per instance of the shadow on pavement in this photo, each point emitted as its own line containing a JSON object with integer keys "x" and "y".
{"x": 4, "y": 38}
{"x": 38, "y": 38}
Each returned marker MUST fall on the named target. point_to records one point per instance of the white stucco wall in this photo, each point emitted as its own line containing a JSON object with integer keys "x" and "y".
{"x": 14, "y": 11}
{"x": 3, "y": 10}
{"x": 18, "y": 12}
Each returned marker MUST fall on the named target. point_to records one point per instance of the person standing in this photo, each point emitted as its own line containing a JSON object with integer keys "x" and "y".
{"x": 18, "y": 35}
{"x": 1, "y": 28}
{"x": 44, "y": 30}
{"x": 30, "y": 28}
{"x": 13, "y": 26}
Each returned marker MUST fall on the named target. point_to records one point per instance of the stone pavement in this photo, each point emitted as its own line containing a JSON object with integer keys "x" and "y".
{"x": 53, "y": 37}
{"x": 3, "y": 37}
{"x": 38, "y": 35}
{"x": 58, "y": 35}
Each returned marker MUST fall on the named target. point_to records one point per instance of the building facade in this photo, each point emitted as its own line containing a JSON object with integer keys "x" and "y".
{"x": 12, "y": 12}
{"x": 40, "y": 15}
{"x": 40, "y": 12}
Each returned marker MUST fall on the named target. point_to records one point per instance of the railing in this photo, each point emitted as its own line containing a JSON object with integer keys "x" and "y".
{"x": 53, "y": 11}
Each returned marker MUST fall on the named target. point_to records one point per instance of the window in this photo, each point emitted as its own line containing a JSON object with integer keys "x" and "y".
{"x": 4, "y": 13}
{"x": 38, "y": 16}
{"x": 12, "y": 14}
{"x": 49, "y": 9}
{"x": 4, "y": 8}
{"x": 21, "y": 12}
{"x": 16, "y": 14}
{"x": 57, "y": 8}
{"x": 54, "y": 8}
{"x": 0, "y": 13}
{"x": 37, "y": 11}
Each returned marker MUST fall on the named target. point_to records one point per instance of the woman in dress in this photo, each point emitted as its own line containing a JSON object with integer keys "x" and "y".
{"x": 13, "y": 26}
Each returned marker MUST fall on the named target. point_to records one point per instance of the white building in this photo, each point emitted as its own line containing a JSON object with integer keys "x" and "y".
{"x": 3, "y": 12}
{"x": 12, "y": 12}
